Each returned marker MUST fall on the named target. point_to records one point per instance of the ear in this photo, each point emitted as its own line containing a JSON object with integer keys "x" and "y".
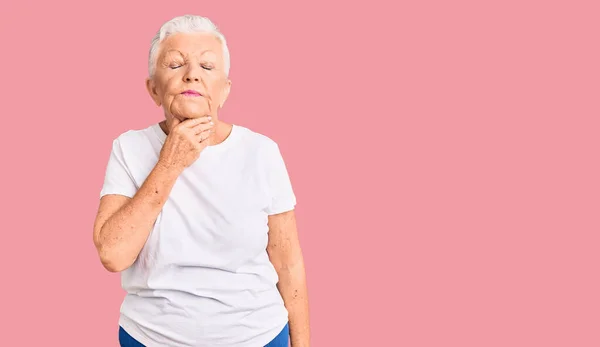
{"x": 151, "y": 88}
{"x": 225, "y": 93}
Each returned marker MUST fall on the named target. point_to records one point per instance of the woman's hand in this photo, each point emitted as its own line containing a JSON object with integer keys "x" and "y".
{"x": 185, "y": 142}
{"x": 123, "y": 224}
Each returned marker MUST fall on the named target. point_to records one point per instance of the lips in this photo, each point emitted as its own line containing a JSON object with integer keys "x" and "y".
{"x": 191, "y": 93}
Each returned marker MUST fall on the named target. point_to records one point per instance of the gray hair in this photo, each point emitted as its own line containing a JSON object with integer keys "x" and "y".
{"x": 186, "y": 24}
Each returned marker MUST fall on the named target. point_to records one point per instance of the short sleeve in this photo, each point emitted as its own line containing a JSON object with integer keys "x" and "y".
{"x": 280, "y": 186}
{"x": 117, "y": 179}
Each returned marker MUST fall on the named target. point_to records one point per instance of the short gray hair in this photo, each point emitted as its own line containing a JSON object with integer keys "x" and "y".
{"x": 186, "y": 24}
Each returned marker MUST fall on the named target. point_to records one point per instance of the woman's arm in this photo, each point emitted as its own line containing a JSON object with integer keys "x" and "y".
{"x": 286, "y": 256}
{"x": 123, "y": 224}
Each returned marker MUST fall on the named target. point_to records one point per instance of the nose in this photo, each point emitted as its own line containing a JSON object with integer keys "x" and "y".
{"x": 192, "y": 75}
{"x": 191, "y": 78}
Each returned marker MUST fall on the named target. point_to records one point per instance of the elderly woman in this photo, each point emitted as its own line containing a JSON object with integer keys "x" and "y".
{"x": 198, "y": 214}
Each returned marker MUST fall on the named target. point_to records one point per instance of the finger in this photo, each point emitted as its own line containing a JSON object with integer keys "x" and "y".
{"x": 174, "y": 123}
{"x": 203, "y": 135}
{"x": 203, "y": 127}
{"x": 195, "y": 121}
{"x": 202, "y": 145}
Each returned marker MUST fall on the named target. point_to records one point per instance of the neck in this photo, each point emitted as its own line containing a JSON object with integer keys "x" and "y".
{"x": 222, "y": 131}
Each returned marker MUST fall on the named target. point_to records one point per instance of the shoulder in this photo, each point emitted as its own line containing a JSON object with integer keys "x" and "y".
{"x": 257, "y": 140}
{"x": 265, "y": 150}
{"x": 133, "y": 138}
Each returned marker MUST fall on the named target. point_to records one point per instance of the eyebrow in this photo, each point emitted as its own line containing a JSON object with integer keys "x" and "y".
{"x": 165, "y": 53}
{"x": 183, "y": 55}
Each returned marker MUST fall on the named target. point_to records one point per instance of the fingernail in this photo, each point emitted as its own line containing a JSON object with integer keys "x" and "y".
{"x": 209, "y": 117}
{"x": 211, "y": 123}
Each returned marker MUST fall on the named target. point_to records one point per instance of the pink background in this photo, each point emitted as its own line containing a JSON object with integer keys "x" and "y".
{"x": 444, "y": 155}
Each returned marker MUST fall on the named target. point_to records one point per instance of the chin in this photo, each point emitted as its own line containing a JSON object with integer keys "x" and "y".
{"x": 194, "y": 112}
{"x": 182, "y": 117}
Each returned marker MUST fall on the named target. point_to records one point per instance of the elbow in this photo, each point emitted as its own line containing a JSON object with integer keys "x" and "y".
{"x": 114, "y": 266}
{"x": 111, "y": 261}
{"x": 110, "y": 257}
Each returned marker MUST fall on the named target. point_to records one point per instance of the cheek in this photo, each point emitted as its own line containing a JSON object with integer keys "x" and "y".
{"x": 216, "y": 89}
{"x": 168, "y": 89}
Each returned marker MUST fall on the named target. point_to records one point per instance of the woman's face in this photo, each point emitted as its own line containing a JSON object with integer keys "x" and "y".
{"x": 189, "y": 80}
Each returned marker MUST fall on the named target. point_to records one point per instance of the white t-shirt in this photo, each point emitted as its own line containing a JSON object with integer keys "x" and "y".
{"x": 204, "y": 277}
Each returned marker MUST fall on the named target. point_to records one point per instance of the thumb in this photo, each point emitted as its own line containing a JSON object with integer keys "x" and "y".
{"x": 174, "y": 123}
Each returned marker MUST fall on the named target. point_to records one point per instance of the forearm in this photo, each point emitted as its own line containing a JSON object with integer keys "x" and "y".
{"x": 293, "y": 289}
{"x": 124, "y": 234}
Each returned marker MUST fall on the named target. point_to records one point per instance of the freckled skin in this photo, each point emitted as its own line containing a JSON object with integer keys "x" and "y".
{"x": 185, "y": 62}
{"x": 122, "y": 226}
{"x": 191, "y": 62}
{"x": 286, "y": 256}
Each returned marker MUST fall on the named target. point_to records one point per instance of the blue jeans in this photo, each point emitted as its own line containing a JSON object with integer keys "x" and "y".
{"x": 281, "y": 340}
